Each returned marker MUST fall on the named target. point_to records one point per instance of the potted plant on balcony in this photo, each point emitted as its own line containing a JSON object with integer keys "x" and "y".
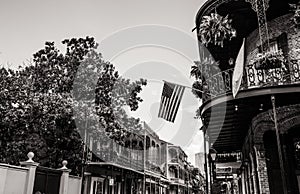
{"x": 215, "y": 29}
{"x": 296, "y": 18}
{"x": 268, "y": 60}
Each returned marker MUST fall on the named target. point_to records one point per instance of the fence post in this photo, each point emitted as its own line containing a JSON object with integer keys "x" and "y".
{"x": 31, "y": 165}
{"x": 64, "y": 179}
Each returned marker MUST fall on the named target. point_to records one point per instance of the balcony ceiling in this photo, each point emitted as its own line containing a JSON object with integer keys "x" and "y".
{"x": 228, "y": 127}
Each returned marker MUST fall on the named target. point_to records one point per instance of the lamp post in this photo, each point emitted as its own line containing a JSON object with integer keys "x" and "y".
{"x": 207, "y": 183}
{"x": 213, "y": 156}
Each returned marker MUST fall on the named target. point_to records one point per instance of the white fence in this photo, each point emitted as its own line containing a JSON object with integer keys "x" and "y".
{"x": 20, "y": 180}
{"x": 13, "y": 179}
{"x": 74, "y": 186}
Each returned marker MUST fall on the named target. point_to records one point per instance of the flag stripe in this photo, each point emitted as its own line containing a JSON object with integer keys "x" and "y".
{"x": 171, "y": 104}
{"x": 165, "y": 101}
{"x": 168, "y": 106}
{"x": 170, "y": 101}
{"x": 162, "y": 106}
{"x": 165, "y": 107}
{"x": 176, "y": 106}
{"x": 173, "y": 107}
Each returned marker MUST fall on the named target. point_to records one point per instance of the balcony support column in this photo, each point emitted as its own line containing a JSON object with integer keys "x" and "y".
{"x": 262, "y": 174}
{"x": 279, "y": 147}
{"x": 253, "y": 174}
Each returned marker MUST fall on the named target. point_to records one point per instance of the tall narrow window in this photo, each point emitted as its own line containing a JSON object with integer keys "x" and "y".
{"x": 273, "y": 46}
{"x": 97, "y": 185}
{"x": 282, "y": 42}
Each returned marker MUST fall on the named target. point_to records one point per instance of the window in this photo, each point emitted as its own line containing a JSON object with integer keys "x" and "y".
{"x": 276, "y": 44}
{"x": 96, "y": 185}
{"x": 273, "y": 46}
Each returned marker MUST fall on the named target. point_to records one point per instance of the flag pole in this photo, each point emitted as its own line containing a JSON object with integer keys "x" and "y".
{"x": 144, "y": 182}
{"x": 192, "y": 88}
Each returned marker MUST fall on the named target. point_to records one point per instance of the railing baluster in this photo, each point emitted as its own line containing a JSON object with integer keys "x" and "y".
{"x": 261, "y": 76}
{"x": 251, "y": 75}
{"x": 295, "y": 72}
{"x": 221, "y": 83}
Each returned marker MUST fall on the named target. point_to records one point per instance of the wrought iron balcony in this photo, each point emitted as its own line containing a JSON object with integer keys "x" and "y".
{"x": 176, "y": 155}
{"x": 153, "y": 167}
{"x": 111, "y": 152}
{"x": 177, "y": 180}
{"x": 220, "y": 84}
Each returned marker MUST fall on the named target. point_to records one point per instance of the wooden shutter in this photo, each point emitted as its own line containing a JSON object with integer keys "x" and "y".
{"x": 283, "y": 44}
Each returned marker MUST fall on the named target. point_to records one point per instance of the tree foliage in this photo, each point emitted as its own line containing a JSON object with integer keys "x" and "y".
{"x": 43, "y": 105}
{"x": 202, "y": 71}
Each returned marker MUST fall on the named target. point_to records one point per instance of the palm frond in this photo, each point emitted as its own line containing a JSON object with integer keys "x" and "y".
{"x": 215, "y": 29}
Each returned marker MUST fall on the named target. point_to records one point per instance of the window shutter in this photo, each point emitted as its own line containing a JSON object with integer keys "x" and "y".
{"x": 283, "y": 44}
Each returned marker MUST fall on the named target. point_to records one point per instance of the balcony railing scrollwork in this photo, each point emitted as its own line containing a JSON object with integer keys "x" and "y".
{"x": 221, "y": 83}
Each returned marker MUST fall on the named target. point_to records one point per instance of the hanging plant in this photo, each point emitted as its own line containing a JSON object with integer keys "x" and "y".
{"x": 296, "y": 18}
{"x": 269, "y": 60}
{"x": 214, "y": 29}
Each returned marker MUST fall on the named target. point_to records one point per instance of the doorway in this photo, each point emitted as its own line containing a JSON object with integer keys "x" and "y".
{"x": 290, "y": 161}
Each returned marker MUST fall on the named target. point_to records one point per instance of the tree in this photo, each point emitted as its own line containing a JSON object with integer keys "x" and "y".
{"x": 37, "y": 104}
{"x": 202, "y": 71}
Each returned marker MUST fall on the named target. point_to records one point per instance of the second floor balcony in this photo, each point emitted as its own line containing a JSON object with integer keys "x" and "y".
{"x": 276, "y": 40}
{"x": 227, "y": 119}
{"x": 176, "y": 155}
{"x": 220, "y": 84}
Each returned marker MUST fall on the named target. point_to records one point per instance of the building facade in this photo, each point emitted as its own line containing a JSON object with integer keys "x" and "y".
{"x": 262, "y": 121}
{"x": 135, "y": 167}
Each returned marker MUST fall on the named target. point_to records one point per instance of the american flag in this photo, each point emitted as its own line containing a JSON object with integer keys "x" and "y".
{"x": 170, "y": 101}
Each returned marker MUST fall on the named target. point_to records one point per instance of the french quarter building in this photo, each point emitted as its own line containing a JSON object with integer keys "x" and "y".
{"x": 135, "y": 167}
{"x": 252, "y": 138}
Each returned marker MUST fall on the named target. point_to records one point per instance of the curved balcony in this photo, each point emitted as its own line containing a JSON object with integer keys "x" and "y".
{"x": 226, "y": 120}
{"x": 244, "y": 21}
{"x": 220, "y": 84}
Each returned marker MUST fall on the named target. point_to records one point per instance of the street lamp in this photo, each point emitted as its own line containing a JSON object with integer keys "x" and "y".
{"x": 213, "y": 156}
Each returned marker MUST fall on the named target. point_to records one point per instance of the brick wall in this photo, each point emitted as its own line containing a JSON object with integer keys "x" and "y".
{"x": 262, "y": 173}
{"x": 288, "y": 117}
{"x": 276, "y": 27}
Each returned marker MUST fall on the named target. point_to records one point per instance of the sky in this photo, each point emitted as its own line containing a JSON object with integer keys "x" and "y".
{"x": 143, "y": 39}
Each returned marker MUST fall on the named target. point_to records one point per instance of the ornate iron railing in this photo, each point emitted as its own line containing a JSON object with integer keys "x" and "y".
{"x": 111, "y": 152}
{"x": 106, "y": 150}
{"x": 221, "y": 83}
